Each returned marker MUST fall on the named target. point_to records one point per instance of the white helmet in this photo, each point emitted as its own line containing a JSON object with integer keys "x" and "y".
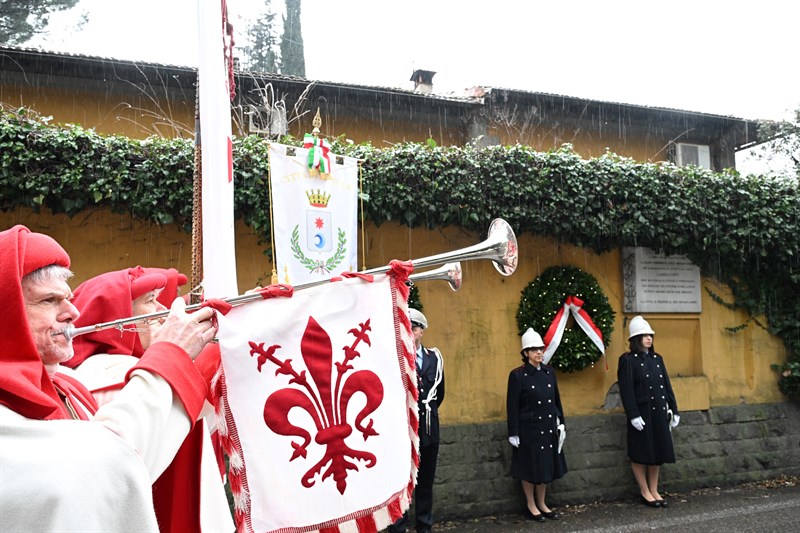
{"x": 417, "y": 318}
{"x": 531, "y": 339}
{"x": 639, "y": 326}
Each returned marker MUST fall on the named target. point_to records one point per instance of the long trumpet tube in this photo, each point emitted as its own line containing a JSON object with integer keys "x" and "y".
{"x": 450, "y": 272}
{"x": 500, "y": 247}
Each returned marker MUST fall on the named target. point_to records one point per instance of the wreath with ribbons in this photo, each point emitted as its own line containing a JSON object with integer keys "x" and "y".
{"x": 551, "y": 300}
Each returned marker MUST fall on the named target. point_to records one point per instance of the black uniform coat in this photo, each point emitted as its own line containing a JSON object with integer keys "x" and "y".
{"x": 426, "y": 377}
{"x": 646, "y": 391}
{"x": 533, "y": 404}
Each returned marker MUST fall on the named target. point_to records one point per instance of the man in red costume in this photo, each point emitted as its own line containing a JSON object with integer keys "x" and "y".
{"x": 189, "y": 495}
{"x": 62, "y": 469}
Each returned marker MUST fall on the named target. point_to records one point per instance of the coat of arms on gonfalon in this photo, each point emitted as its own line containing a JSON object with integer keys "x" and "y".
{"x": 321, "y": 410}
{"x": 322, "y": 251}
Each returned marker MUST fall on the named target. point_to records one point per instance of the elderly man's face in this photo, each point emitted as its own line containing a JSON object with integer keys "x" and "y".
{"x": 145, "y": 305}
{"x": 49, "y": 310}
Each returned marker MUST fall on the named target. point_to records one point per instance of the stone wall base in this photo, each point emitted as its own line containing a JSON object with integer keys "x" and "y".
{"x": 722, "y": 446}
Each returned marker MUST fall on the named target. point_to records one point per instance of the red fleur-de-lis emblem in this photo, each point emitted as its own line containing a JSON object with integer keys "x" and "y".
{"x": 324, "y": 400}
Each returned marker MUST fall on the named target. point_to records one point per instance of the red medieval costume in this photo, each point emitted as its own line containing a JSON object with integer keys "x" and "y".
{"x": 189, "y": 495}
{"x": 62, "y": 474}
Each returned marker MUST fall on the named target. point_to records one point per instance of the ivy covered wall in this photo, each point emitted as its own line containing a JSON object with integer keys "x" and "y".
{"x": 741, "y": 230}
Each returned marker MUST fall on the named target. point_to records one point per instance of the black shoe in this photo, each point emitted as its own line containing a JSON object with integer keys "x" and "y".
{"x": 552, "y": 515}
{"x": 663, "y": 503}
{"x": 654, "y": 503}
{"x": 534, "y": 517}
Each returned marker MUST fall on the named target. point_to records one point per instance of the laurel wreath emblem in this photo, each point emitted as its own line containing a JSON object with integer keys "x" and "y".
{"x": 318, "y": 266}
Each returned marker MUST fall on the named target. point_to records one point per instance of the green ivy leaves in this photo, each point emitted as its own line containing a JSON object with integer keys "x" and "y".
{"x": 742, "y": 230}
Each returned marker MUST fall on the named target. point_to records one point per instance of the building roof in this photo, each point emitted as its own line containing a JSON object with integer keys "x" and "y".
{"x": 469, "y": 96}
{"x": 30, "y": 62}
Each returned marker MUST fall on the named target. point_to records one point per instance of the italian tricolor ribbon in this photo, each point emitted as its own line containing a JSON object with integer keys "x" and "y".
{"x": 318, "y": 153}
{"x": 574, "y": 306}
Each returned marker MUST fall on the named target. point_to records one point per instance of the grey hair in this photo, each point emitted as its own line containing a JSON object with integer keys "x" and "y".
{"x": 48, "y": 273}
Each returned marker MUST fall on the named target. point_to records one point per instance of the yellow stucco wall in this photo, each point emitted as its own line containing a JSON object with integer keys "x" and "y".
{"x": 137, "y": 115}
{"x": 588, "y": 144}
{"x": 382, "y": 132}
{"x": 143, "y": 113}
{"x": 475, "y": 328}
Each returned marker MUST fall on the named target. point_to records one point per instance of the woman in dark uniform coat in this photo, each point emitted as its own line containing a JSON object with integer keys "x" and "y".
{"x": 650, "y": 408}
{"x": 535, "y": 420}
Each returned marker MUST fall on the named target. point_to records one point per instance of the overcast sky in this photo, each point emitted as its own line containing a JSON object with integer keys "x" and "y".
{"x": 733, "y": 57}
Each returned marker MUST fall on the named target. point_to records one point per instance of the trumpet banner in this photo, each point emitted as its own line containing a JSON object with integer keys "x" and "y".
{"x": 315, "y": 214}
{"x": 319, "y": 397}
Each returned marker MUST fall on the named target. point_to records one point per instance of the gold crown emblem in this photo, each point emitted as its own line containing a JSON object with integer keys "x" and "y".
{"x": 318, "y": 198}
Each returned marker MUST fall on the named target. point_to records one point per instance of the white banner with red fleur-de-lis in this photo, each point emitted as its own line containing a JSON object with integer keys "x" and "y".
{"x": 320, "y": 402}
{"x": 552, "y": 338}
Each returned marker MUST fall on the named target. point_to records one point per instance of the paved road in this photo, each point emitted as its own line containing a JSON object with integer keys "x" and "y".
{"x": 771, "y": 508}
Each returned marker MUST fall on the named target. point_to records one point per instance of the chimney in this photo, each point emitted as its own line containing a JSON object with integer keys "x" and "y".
{"x": 423, "y": 81}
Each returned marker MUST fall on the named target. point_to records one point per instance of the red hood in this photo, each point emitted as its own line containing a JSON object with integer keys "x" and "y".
{"x": 25, "y": 386}
{"x": 106, "y": 298}
{"x": 174, "y": 280}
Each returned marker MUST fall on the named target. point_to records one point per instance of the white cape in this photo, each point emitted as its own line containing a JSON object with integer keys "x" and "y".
{"x": 52, "y": 472}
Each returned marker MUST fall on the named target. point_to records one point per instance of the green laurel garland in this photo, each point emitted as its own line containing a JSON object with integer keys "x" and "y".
{"x": 312, "y": 265}
{"x": 542, "y": 299}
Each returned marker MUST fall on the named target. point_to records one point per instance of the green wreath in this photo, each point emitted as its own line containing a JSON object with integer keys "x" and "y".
{"x": 317, "y": 266}
{"x": 545, "y": 296}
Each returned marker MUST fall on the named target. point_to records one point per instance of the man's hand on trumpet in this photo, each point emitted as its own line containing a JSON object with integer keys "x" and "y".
{"x": 188, "y": 331}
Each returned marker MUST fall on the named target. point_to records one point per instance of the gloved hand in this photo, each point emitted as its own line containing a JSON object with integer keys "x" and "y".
{"x": 638, "y": 423}
{"x": 676, "y": 419}
{"x": 562, "y": 435}
{"x": 514, "y": 440}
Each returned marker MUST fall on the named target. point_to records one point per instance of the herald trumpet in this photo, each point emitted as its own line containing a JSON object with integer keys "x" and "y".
{"x": 500, "y": 247}
{"x": 449, "y": 272}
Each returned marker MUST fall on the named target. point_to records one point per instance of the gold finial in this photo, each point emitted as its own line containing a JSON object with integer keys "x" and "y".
{"x": 317, "y": 122}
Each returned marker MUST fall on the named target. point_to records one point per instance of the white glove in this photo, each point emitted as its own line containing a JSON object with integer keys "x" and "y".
{"x": 638, "y": 423}
{"x": 676, "y": 419}
{"x": 562, "y": 435}
{"x": 514, "y": 440}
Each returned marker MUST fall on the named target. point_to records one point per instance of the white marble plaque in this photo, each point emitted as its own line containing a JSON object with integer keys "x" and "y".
{"x": 655, "y": 283}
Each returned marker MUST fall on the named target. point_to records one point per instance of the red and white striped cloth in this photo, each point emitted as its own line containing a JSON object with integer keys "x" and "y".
{"x": 552, "y": 338}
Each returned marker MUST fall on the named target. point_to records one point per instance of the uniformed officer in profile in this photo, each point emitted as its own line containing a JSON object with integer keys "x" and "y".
{"x": 430, "y": 383}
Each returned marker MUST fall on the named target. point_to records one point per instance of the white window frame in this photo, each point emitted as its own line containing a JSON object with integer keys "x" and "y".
{"x": 703, "y": 152}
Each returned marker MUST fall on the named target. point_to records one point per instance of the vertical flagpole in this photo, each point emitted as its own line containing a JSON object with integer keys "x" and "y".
{"x": 197, "y": 203}
{"x": 215, "y": 89}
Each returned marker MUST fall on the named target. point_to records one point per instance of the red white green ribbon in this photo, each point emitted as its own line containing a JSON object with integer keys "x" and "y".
{"x": 318, "y": 153}
{"x": 574, "y": 306}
